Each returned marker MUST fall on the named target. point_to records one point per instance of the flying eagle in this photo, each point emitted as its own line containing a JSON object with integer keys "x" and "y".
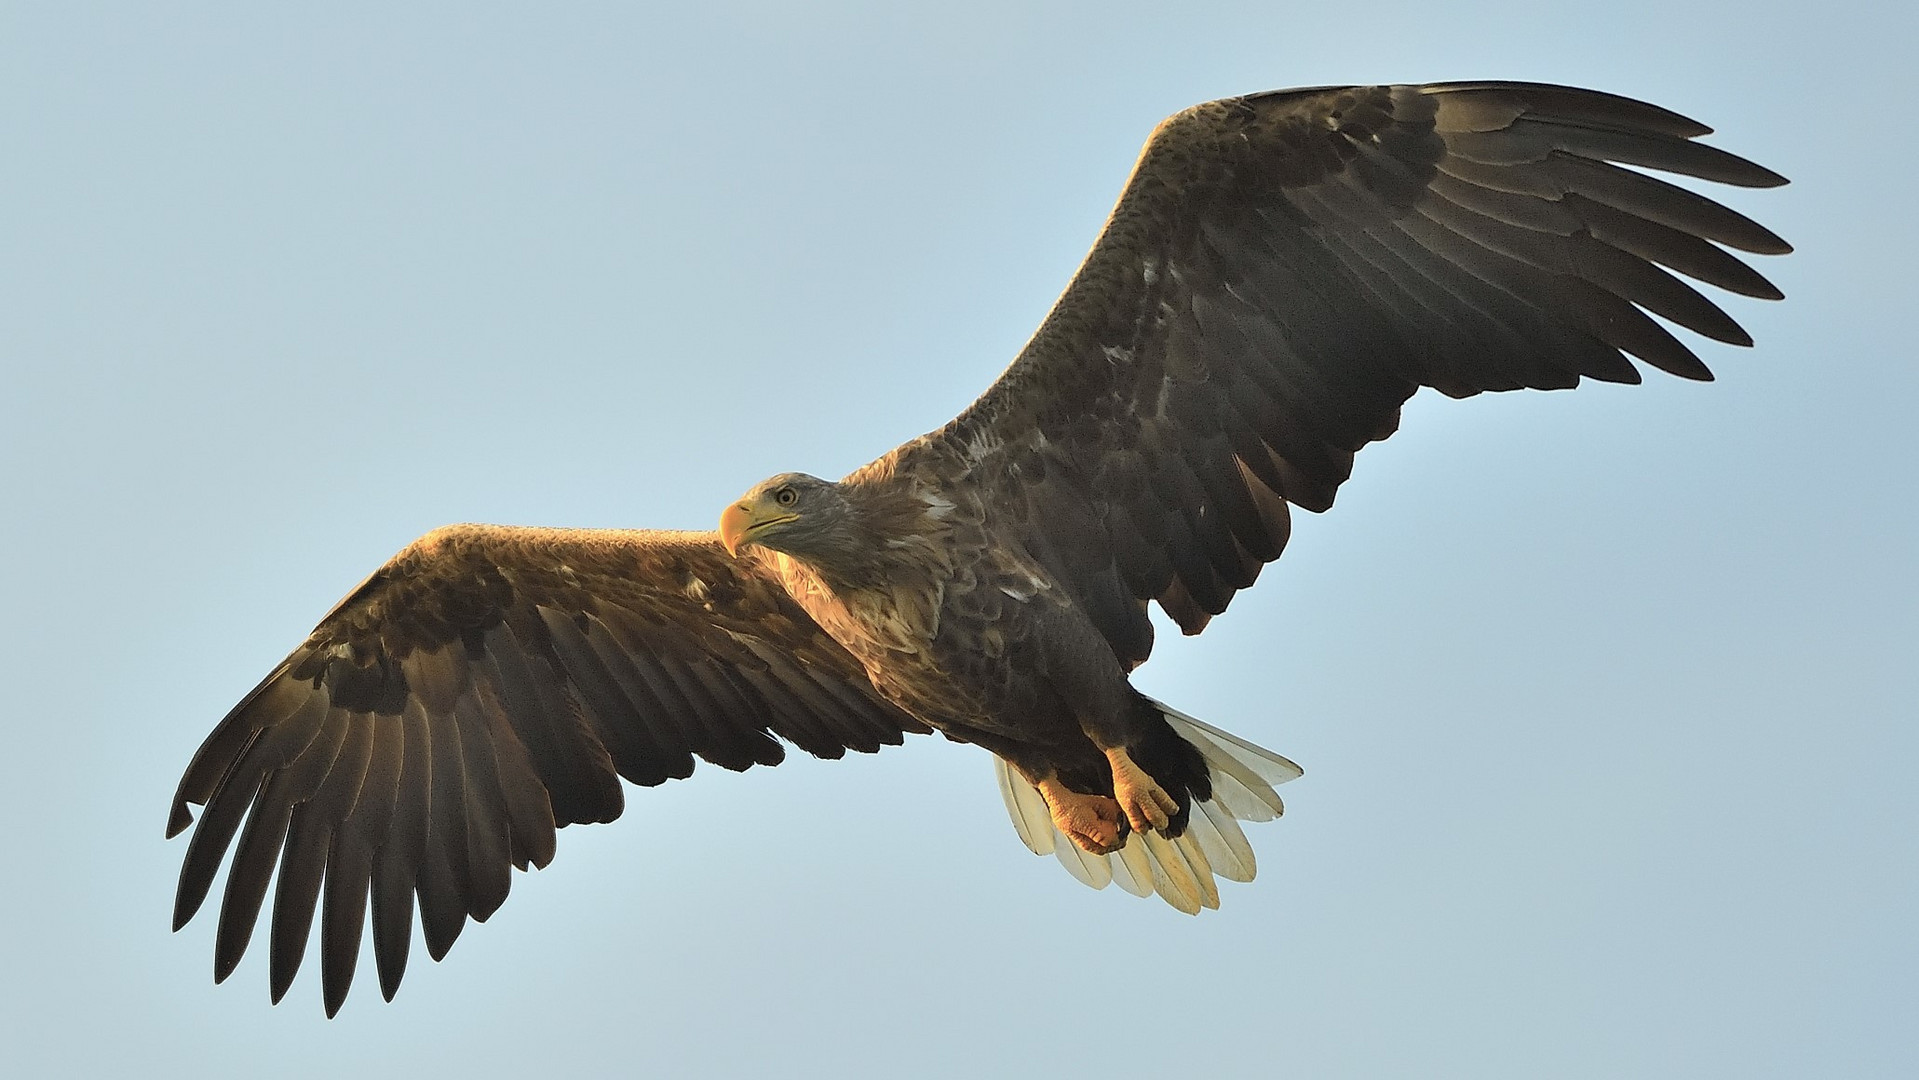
{"x": 1281, "y": 273}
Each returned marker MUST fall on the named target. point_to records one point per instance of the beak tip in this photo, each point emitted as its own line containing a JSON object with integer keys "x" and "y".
{"x": 733, "y": 524}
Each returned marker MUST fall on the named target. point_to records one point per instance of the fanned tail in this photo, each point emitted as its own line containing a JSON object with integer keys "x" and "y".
{"x": 1180, "y": 870}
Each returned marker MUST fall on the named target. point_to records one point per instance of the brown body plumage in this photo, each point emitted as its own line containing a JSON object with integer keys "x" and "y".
{"x": 1282, "y": 272}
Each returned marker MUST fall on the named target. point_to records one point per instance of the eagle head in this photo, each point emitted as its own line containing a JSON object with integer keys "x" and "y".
{"x": 794, "y": 513}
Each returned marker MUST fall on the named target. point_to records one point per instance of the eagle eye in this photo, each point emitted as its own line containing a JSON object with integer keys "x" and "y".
{"x": 786, "y": 496}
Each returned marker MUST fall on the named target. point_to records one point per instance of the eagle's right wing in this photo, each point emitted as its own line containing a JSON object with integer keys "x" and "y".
{"x": 483, "y": 687}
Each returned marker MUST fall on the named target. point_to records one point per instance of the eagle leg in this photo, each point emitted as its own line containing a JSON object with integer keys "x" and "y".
{"x": 1091, "y": 821}
{"x": 1146, "y": 804}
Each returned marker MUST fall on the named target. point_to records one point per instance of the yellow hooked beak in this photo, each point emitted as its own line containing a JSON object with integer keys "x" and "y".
{"x": 748, "y": 518}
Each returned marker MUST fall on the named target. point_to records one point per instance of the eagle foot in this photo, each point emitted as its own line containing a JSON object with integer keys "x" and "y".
{"x": 1090, "y": 821}
{"x": 1147, "y": 805}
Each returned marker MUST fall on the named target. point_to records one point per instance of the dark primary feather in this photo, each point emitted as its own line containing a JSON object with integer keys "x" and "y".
{"x": 484, "y": 687}
{"x": 1284, "y": 270}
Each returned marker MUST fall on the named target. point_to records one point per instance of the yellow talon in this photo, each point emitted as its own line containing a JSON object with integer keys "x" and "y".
{"x": 1090, "y": 821}
{"x": 1147, "y": 806}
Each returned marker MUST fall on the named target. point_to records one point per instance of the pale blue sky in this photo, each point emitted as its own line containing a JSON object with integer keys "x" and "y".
{"x": 1605, "y": 699}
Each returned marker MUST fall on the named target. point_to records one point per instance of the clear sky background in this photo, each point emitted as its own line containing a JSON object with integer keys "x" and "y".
{"x": 1605, "y": 698}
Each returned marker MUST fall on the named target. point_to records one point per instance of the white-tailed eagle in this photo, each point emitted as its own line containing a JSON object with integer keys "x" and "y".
{"x": 1282, "y": 271}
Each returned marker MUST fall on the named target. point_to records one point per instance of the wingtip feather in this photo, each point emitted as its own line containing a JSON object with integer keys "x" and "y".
{"x": 179, "y": 819}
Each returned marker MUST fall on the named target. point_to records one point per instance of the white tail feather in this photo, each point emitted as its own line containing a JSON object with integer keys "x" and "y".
{"x": 1133, "y": 868}
{"x": 1031, "y": 819}
{"x": 1089, "y": 868}
{"x": 1181, "y": 871}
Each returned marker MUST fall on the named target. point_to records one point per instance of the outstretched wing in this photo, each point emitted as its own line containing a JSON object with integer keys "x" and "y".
{"x": 485, "y": 686}
{"x": 1284, "y": 270}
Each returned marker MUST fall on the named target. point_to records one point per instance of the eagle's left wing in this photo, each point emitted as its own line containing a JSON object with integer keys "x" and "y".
{"x": 1284, "y": 270}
